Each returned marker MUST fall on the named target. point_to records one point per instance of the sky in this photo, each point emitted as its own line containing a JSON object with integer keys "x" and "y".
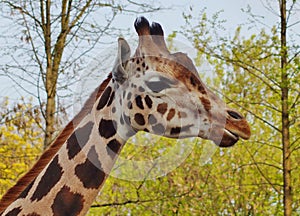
{"x": 172, "y": 20}
{"x": 231, "y": 12}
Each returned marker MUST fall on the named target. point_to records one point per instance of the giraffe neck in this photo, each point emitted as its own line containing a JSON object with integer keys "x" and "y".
{"x": 70, "y": 182}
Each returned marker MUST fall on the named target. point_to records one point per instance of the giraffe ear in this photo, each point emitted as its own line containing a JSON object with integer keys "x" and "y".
{"x": 119, "y": 73}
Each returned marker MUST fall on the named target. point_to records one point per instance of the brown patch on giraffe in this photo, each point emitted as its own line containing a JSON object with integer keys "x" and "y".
{"x": 50, "y": 178}
{"x": 107, "y": 128}
{"x": 14, "y": 212}
{"x": 192, "y": 80}
{"x": 104, "y": 98}
{"x": 201, "y": 89}
{"x": 182, "y": 114}
{"x": 79, "y": 139}
{"x": 111, "y": 99}
{"x": 45, "y": 158}
{"x": 139, "y": 102}
{"x": 67, "y": 203}
{"x": 90, "y": 172}
{"x": 171, "y": 114}
{"x": 181, "y": 68}
{"x": 206, "y": 103}
{"x": 162, "y": 108}
{"x": 113, "y": 147}
{"x": 26, "y": 191}
{"x": 139, "y": 118}
{"x": 148, "y": 101}
{"x": 177, "y": 130}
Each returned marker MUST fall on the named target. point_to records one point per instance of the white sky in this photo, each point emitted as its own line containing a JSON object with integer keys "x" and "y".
{"x": 173, "y": 20}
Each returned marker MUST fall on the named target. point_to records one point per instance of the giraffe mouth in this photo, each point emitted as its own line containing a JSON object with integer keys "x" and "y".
{"x": 232, "y": 134}
{"x": 228, "y": 139}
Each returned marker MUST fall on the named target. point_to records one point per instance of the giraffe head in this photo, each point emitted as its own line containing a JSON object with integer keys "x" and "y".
{"x": 161, "y": 93}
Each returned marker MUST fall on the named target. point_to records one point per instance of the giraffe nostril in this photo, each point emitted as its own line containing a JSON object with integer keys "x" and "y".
{"x": 234, "y": 114}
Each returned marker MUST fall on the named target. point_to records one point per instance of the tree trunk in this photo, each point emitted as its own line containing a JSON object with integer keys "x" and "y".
{"x": 51, "y": 81}
{"x": 53, "y": 62}
{"x": 49, "y": 85}
{"x": 286, "y": 159}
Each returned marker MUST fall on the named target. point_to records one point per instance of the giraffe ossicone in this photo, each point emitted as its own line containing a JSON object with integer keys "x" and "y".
{"x": 153, "y": 91}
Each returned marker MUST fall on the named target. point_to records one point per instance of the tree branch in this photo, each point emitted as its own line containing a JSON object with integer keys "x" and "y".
{"x": 262, "y": 173}
{"x": 22, "y": 11}
{"x": 138, "y": 201}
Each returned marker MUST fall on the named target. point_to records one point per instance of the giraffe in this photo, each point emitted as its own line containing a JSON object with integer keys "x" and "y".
{"x": 153, "y": 91}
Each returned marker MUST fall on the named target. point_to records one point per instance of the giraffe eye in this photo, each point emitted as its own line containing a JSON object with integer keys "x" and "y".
{"x": 157, "y": 84}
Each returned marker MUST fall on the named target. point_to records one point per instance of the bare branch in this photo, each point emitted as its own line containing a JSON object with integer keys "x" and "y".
{"x": 22, "y": 11}
{"x": 138, "y": 201}
{"x": 260, "y": 163}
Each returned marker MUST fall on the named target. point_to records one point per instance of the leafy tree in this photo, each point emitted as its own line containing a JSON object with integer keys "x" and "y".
{"x": 21, "y": 140}
{"x": 260, "y": 74}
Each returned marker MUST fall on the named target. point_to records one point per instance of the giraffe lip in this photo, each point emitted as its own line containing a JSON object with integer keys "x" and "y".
{"x": 231, "y": 134}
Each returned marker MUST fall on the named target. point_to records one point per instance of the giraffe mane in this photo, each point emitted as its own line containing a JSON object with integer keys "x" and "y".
{"x": 45, "y": 158}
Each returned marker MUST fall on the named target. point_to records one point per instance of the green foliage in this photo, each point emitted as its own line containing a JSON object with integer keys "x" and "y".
{"x": 175, "y": 191}
{"x": 243, "y": 180}
{"x": 20, "y": 141}
{"x": 249, "y": 69}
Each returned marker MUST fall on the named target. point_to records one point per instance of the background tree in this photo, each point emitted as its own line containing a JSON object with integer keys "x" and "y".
{"x": 56, "y": 41}
{"x": 21, "y": 140}
{"x": 261, "y": 75}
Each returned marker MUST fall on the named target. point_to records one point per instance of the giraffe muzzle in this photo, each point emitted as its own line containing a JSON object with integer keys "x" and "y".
{"x": 236, "y": 127}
